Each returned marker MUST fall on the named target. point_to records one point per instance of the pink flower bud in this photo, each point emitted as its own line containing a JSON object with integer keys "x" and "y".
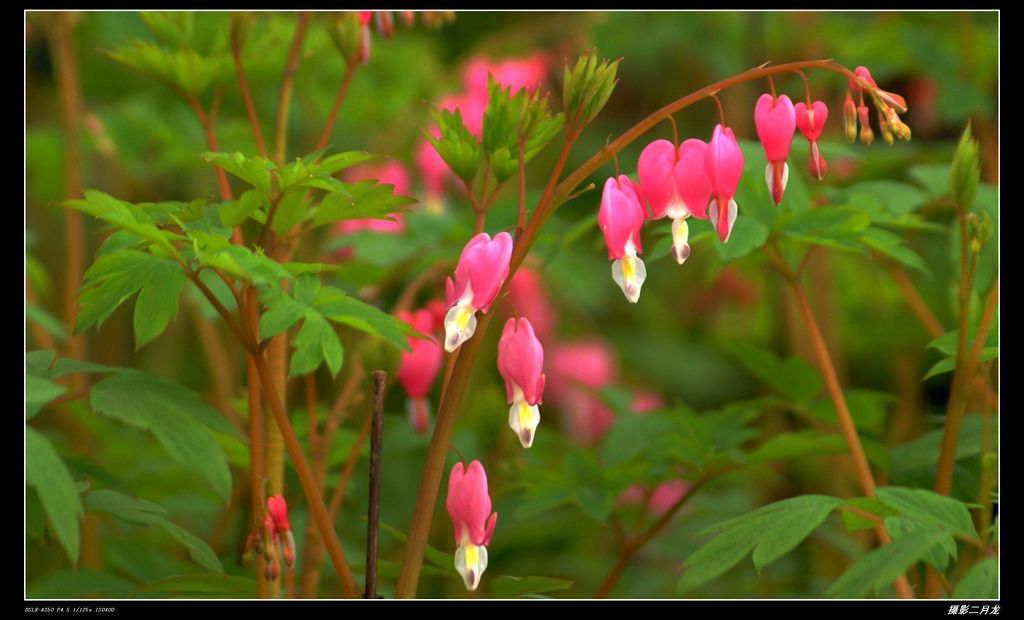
{"x": 482, "y": 269}
{"x": 620, "y": 218}
{"x": 723, "y": 164}
{"x": 521, "y": 364}
{"x": 863, "y": 73}
{"x": 675, "y": 185}
{"x": 277, "y": 508}
{"x": 850, "y": 117}
{"x": 866, "y": 135}
{"x": 776, "y": 122}
{"x": 469, "y": 506}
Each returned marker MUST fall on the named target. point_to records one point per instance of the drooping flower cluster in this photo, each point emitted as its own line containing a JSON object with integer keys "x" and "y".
{"x": 278, "y": 540}
{"x": 701, "y": 180}
{"x": 469, "y": 506}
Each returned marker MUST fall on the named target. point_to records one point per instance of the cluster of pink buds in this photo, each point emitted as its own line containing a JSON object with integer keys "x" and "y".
{"x": 521, "y": 364}
{"x": 277, "y": 537}
{"x": 469, "y": 506}
{"x": 889, "y": 106}
{"x": 418, "y": 368}
{"x": 482, "y": 269}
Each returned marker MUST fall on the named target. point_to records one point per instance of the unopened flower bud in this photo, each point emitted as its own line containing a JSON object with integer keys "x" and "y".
{"x": 883, "y": 127}
{"x": 866, "y": 135}
{"x": 850, "y": 118}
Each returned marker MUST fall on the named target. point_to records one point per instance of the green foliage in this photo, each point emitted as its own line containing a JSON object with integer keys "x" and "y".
{"x": 946, "y": 344}
{"x": 142, "y": 512}
{"x": 981, "y": 582}
{"x": 792, "y": 377}
{"x": 518, "y": 587}
{"x": 38, "y": 392}
{"x": 878, "y": 568}
{"x": 363, "y": 200}
{"x": 182, "y": 68}
{"x": 770, "y": 532}
{"x": 510, "y": 119}
{"x": 456, "y": 145}
{"x": 586, "y": 89}
{"x": 175, "y": 416}
{"x": 46, "y": 472}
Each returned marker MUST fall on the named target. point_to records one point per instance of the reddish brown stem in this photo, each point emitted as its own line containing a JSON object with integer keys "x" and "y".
{"x": 250, "y": 107}
{"x": 325, "y": 134}
{"x": 285, "y": 93}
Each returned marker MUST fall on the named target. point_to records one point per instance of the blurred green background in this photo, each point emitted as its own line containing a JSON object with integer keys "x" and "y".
{"x": 140, "y": 142}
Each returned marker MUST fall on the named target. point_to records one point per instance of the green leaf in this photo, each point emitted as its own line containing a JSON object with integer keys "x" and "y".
{"x": 934, "y": 178}
{"x": 142, "y": 512}
{"x": 515, "y": 587}
{"x": 792, "y": 377}
{"x": 799, "y": 444}
{"x": 892, "y": 245}
{"x": 433, "y": 555}
{"x": 748, "y": 234}
{"x": 131, "y": 218}
{"x": 235, "y": 212}
{"x": 880, "y": 567}
{"x": 631, "y": 436}
{"x": 46, "y": 472}
{"x": 930, "y": 508}
{"x": 923, "y": 452}
{"x": 770, "y": 531}
{"x": 947, "y": 342}
{"x": 868, "y": 408}
{"x": 948, "y": 364}
{"x": 79, "y": 583}
{"x": 981, "y": 582}
{"x": 857, "y": 522}
{"x": 332, "y": 164}
{"x": 364, "y": 200}
{"x": 253, "y": 170}
{"x": 340, "y": 308}
{"x": 158, "y": 302}
{"x": 212, "y": 584}
{"x": 834, "y": 227}
{"x": 38, "y": 392}
{"x": 49, "y": 323}
{"x": 169, "y": 411}
{"x": 316, "y": 342}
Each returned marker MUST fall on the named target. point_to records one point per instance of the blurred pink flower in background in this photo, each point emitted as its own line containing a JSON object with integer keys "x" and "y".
{"x": 418, "y": 368}
{"x": 575, "y": 370}
{"x": 528, "y": 299}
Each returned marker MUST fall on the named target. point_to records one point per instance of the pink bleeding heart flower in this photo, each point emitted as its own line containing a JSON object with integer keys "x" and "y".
{"x": 810, "y": 120}
{"x": 469, "y": 506}
{"x": 675, "y": 186}
{"x": 723, "y": 164}
{"x": 620, "y": 218}
{"x": 482, "y": 269}
{"x": 391, "y": 173}
{"x": 521, "y": 364}
{"x": 775, "y": 119}
{"x": 282, "y": 538}
{"x": 527, "y": 297}
{"x": 418, "y": 368}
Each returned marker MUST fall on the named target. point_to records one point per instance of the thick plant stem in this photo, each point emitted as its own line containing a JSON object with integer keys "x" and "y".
{"x": 916, "y": 303}
{"x": 257, "y": 431}
{"x": 62, "y": 49}
{"x": 313, "y": 498}
{"x": 631, "y": 547}
{"x": 554, "y": 194}
{"x": 846, "y": 425}
{"x": 285, "y": 94}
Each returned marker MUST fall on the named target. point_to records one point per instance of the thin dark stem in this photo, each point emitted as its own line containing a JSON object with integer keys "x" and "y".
{"x": 250, "y": 107}
{"x": 325, "y": 134}
{"x": 373, "y": 510}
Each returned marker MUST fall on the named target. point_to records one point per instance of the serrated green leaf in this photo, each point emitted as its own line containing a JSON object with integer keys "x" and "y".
{"x": 770, "y": 532}
{"x": 332, "y": 164}
{"x": 923, "y": 452}
{"x": 340, "y": 308}
{"x": 46, "y": 472}
{"x": 235, "y": 212}
{"x": 930, "y": 508}
{"x": 364, "y": 200}
{"x": 948, "y": 364}
{"x": 835, "y": 227}
{"x": 873, "y": 506}
{"x": 253, "y": 170}
{"x": 38, "y": 392}
{"x": 143, "y": 512}
{"x": 792, "y": 377}
{"x": 49, "y": 323}
{"x": 880, "y": 567}
{"x": 748, "y": 234}
{"x": 169, "y": 411}
{"x": 892, "y": 245}
{"x": 157, "y": 303}
{"x": 291, "y": 209}
{"x": 947, "y": 342}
